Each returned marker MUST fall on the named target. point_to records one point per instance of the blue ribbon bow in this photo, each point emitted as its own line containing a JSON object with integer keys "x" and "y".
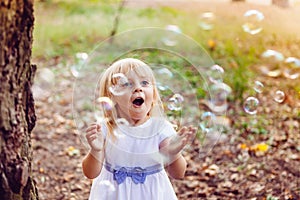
{"x": 137, "y": 175}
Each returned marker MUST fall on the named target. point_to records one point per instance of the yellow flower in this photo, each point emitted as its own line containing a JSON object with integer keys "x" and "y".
{"x": 211, "y": 44}
{"x": 262, "y": 147}
{"x": 243, "y": 146}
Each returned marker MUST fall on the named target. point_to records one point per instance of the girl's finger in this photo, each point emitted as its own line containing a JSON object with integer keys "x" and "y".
{"x": 91, "y": 128}
{"x": 182, "y": 131}
{"x": 92, "y": 137}
{"x": 98, "y": 127}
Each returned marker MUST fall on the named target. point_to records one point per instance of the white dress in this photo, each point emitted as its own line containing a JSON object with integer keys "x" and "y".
{"x": 135, "y": 147}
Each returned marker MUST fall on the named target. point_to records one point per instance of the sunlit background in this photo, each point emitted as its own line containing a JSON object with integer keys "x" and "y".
{"x": 243, "y": 94}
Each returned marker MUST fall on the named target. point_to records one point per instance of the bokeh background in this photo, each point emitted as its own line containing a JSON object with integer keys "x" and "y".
{"x": 248, "y": 143}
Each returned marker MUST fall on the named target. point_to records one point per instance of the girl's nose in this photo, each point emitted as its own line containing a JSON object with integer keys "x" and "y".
{"x": 137, "y": 87}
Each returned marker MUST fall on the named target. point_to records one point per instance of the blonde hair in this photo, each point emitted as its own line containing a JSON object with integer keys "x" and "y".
{"x": 124, "y": 66}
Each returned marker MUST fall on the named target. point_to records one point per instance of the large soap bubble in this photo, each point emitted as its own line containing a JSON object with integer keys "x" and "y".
{"x": 178, "y": 94}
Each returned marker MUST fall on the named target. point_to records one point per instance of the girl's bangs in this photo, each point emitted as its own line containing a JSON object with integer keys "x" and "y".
{"x": 138, "y": 69}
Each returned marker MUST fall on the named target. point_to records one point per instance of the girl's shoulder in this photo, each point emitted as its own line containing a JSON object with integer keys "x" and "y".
{"x": 163, "y": 127}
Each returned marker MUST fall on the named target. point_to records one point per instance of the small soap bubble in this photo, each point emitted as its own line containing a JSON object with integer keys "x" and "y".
{"x": 273, "y": 55}
{"x": 80, "y": 59}
{"x": 207, "y": 21}
{"x": 99, "y": 116}
{"x": 218, "y": 97}
{"x": 162, "y": 87}
{"x": 215, "y": 74}
{"x": 279, "y": 96}
{"x": 170, "y": 37}
{"x": 207, "y": 123}
{"x": 82, "y": 56}
{"x": 44, "y": 82}
{"x": 121, "y": 84}
{"x": 122, "y": 121}
{"x": 45, "y": 79}
{"x": 179, "y": 98}
{"x": 105, "y": 102}
{"x": 175, "y": 102}
{"x": 250, "y": 105}
{"x": 165, "y": 72}
{"x": 173, "y": 28}
{"x": 163, "y": 76}
{"x": 291, "y": 68}
{"x": 258, "y": 86}
{"x": 272, "y": 60}
{"x": 253, "y": 19}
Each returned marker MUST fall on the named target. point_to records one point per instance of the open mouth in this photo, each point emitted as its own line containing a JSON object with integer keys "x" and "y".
{"x": 138, "y": 101}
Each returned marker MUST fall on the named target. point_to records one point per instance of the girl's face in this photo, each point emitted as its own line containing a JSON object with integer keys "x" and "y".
{"x": 135, "y": 104}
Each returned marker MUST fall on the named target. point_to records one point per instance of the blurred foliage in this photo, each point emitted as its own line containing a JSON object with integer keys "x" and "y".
{"x": 65, "y": 27}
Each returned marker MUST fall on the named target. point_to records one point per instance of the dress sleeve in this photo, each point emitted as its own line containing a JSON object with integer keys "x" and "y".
{"x": 167, "y": 131}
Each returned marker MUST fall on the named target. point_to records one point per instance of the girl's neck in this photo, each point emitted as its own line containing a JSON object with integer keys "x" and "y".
{"x": 140, "y": 121}
{"x": 131, "y": 121}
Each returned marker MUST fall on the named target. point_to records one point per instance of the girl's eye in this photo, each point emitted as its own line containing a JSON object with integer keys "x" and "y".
{"x": 127, "y": 84}
{"x": 145, "y": 83}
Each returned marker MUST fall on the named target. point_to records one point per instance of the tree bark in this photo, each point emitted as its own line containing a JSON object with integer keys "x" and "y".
{"x": 17, "y": 114}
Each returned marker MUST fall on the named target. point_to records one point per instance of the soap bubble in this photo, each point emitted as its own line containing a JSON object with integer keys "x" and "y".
{"x": 250, "y": 105}
{"x": 106, "y": 103}
{"x": 80, "y": 59}
{"x": 291, "y": 68}
{"x": 258, "y": 86}
{"x": 273, "y": 55}
{"x": 170, "y": 36}
{"x": 120, "y": 87}
{"x": 207, "y": 20}
{"x": 45, "y": 79}
{"x": 218, "y": 97}
{"x": 174, "y": 103}
{"x": 143, "y": 44}
{"x": 253, "y": 20}
{"x": 207, "y": 122}
{"x": 272, "y": 60}
{"x": 122, "y": 121}
{"x": 44, "y": 82}
{"x": 102, "y": 104}
{"x": 279, "y": 96}
{"x": 163, "y": 76}
{"x": 164, "y": 72}
{"x": 215, "y": 74}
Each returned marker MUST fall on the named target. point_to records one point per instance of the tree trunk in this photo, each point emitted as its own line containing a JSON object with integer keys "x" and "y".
{"x": 17, "y": 115}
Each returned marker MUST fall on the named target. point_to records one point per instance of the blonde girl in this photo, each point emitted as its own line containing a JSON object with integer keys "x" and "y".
{"x": 135, "y": 150}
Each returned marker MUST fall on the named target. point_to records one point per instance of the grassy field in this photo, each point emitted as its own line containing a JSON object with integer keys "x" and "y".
{"x": 68, "y": 27}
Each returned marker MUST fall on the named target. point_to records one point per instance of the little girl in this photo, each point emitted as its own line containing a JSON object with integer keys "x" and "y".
{"x": 138, "y": 147}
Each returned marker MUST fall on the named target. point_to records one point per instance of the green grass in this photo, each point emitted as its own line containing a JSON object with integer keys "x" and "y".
{"x": 63, "y": 28}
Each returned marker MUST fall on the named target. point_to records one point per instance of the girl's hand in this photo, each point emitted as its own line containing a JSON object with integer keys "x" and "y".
{"x": 176, "y": 143}
{"x": 94, "y": 137}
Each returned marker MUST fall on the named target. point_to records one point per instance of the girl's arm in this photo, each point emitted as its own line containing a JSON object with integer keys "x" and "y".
{"x": 171, "y": 148}
{"x": 177, "y": 168}
{"x": 92, "y": 164}
{"x": 176, "y": 164}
